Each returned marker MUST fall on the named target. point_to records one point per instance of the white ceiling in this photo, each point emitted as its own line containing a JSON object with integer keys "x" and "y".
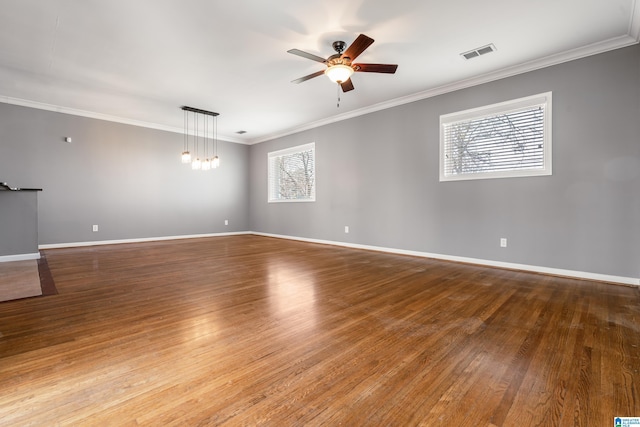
{"x": 138, "y": 61}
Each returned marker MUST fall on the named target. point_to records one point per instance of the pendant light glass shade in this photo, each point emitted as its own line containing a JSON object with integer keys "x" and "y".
{"x": 206, "y": 165}
{"x": 186, "y": 157}
{"x": 215, "y": 162}
{"x": 196, "y": 164}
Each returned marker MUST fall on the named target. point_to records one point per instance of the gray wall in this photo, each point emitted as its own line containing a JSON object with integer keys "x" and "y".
{"x": 378, "y": 174}
{"x": 18, "y": 222}
{"x": 126, "y": 179}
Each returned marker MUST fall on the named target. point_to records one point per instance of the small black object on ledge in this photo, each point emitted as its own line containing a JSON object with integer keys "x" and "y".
{"x": 5, "y": 187}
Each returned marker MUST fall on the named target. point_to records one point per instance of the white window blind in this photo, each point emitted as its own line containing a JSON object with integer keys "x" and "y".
{"x": 509, "y": 139}
{"x": 292, "y": 174}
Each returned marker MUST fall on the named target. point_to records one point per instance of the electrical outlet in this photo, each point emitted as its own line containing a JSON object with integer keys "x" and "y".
{"x": 95, "y": 227}
{"x": 226, "y": 222}
{"x": 346, "y": 229}
{"x": 503, "y": 242}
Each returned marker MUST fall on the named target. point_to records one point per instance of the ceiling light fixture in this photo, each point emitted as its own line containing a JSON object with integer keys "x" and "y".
{"x": 202, "y": 124}
{"x": 186, "y": 155}
{"x": 215, "y": 160}
{"x": 339, "y": 73}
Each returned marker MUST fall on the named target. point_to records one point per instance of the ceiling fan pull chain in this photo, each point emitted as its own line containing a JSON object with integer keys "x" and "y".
{"x": 338, "y": 86}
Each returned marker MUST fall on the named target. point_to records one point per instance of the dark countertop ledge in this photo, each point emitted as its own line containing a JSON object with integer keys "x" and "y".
{"x": 5, "y": 187}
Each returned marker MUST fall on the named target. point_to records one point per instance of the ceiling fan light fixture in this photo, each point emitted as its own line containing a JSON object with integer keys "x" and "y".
{"x": 339, "y": 73}
{"x": 340, "y": 66}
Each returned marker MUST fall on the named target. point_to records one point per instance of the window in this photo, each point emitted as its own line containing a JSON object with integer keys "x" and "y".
{"x": 292, "y": 174}
{"x": 503, "y": 140}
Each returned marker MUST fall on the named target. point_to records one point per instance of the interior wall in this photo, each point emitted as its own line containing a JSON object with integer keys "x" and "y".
{"x": 378, "y": 174}
{"x": 18, "y": 223}
{"x": 128, "y": 180}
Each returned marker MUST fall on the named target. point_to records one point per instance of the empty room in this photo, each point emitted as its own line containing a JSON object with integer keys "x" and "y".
{"x": 319, "y": 213}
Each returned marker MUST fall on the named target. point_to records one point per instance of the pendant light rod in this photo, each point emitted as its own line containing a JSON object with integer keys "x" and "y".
{"x": 199, "y": 111}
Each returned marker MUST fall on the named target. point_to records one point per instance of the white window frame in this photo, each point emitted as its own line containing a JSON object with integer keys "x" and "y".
{"x": 543, "y": 99}
{"x": 271, "y": 197}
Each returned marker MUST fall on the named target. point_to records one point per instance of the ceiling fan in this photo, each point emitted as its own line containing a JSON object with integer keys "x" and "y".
{"x": 340, "y": 65}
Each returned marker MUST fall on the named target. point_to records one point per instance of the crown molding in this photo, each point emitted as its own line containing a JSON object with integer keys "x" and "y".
{"x": 101, "y": 116}
{"x": 633, "y": 37}
{"x": 571, "y": 55}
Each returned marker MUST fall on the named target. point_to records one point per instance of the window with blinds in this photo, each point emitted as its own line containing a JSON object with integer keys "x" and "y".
{"x": 509, "y": 139}
{"x": 292, "y": 175}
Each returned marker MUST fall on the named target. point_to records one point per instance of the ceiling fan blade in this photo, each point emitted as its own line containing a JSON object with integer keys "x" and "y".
{"x": 307, "y": 55}
{"x": 347, "y": 85}
{"x": 376, "y": 68}
{"x": 357, "y": 47}
{"x": 309, "y": 77}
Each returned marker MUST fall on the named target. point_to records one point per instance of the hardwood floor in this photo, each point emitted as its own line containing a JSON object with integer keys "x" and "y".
{"x": 249, "y": 330}
{"x": 19, "y": 279}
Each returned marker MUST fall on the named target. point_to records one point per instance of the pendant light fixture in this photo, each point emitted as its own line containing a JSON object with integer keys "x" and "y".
{"x": 186, "y": 156}
{"x": 196, "y": 164}
{"x": 215, "y": 160}
{"x": 200, "y": 122}
{"x": 206, "y": 163}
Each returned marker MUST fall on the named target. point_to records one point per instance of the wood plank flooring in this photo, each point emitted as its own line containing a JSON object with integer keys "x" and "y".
{"x": 19, "y": 279}
{"x": 250, "y": 330}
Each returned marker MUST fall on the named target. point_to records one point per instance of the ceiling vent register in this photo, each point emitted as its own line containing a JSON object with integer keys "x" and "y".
{"x": 479, "y": 51}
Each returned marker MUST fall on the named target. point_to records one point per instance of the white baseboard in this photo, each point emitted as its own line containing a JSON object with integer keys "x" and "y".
{"x": 139, "y": 240}
{"x": 511, "y": 266}
{"x": 19, "y": 257}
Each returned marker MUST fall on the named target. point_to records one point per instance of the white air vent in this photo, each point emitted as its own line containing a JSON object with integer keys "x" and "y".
{"x": 479, "y": 51}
